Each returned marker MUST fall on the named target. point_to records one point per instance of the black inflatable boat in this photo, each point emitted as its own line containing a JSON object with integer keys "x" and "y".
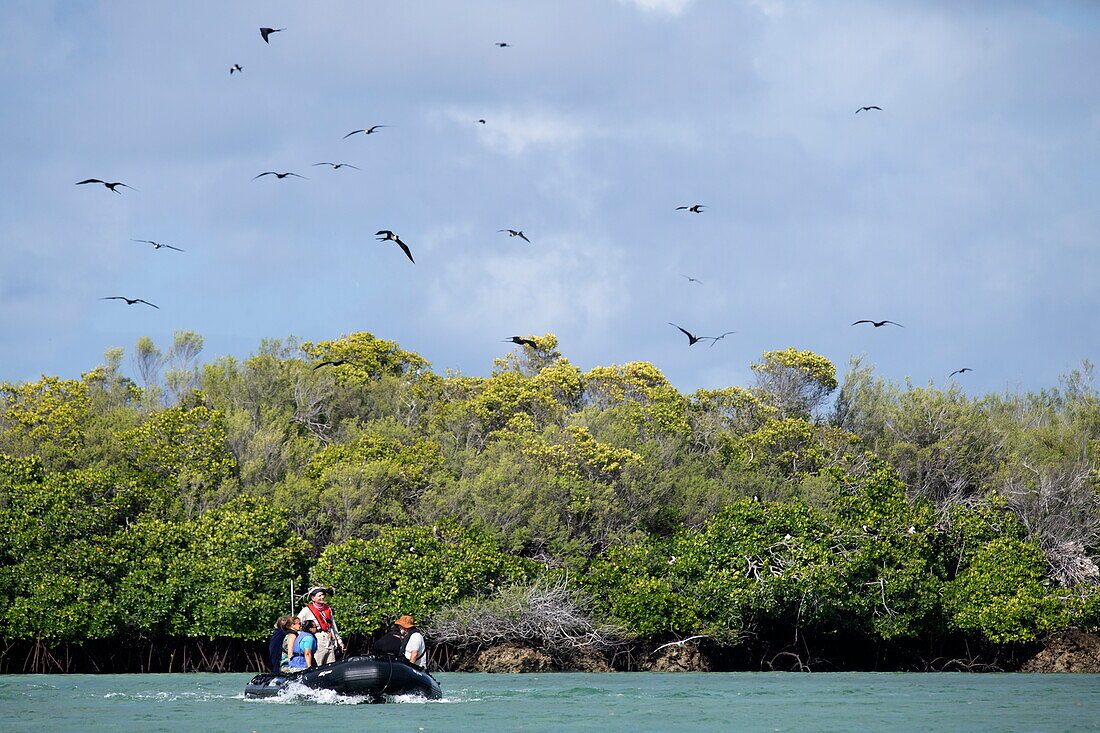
{"x": 373, "y": 677}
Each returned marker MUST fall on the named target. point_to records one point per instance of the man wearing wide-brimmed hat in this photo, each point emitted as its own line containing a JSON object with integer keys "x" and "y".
{"x": 413, "y": 646}
{"x": 328, "y": 634}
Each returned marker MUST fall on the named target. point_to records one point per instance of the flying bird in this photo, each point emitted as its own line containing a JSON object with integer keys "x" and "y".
{"x": 865, "y": 109}
{"x": 111, "y": 186}
{"x": 265, "y": 32}
{"x": 515, "y": 233}
{"x": 692, "y": 338}
{"x": 878, "y": 324}
{"x": 130, "y": 301}
{"x": 235, "y": 67}
{"x": 692, "y": 280}
{"x": 385, "y": 234}
{"x": 336, "y": 362}
{"x": 694, "y": 208}
{"x": 156, "y": 245}
{"x": 503, "y": 45}
{"x": 681, "y": 642}
{"x": 370, "y": 130}
{"x": 716, "y": 339}
{"x": 278, "y": 175}
{"x": 338, "y": 166}
{"x": 522, "y": 342}
{"x": 482, "y": 121}
{"x": 959, "y": 371}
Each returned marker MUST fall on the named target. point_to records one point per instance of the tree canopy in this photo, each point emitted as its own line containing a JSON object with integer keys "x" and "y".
{"x": 894, "y": 512}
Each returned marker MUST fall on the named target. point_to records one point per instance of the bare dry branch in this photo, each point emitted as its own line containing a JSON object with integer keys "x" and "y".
{"x": 546, "y": 613}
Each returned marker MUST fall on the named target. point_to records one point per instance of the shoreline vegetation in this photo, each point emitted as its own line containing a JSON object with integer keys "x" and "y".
{"x": 545, "y": 518}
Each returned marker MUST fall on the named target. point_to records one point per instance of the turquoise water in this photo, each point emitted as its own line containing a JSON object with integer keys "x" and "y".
{"x": 774, "y": 701}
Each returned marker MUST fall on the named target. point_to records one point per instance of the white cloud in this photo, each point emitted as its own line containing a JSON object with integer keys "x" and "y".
{"x": 512, "y": 132}
{"x": 770, "y": 8}
{"x": 560, "y": 283}
{"x": 672, "y": 7}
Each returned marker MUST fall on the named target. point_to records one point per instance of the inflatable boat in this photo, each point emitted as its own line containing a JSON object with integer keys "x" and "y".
{"x": 374, "y": 677}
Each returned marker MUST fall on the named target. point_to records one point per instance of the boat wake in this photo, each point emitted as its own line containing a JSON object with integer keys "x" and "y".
{"x": 169, "y": 696}
{"x": 298, "y": 694}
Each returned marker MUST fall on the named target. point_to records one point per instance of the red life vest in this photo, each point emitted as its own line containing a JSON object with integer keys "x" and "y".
{"x": 323, "y": 615}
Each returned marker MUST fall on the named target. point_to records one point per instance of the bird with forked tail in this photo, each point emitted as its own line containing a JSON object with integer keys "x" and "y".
{"x": 384, "y": 235}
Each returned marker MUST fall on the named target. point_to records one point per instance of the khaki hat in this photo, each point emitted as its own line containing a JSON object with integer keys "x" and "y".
{"x": 405, "y": 622}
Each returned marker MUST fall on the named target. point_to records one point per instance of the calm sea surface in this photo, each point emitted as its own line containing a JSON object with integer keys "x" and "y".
{"x": 484, "y": 703}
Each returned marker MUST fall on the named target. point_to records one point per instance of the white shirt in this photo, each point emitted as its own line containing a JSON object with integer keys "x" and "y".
{"x": 416, "y": 644}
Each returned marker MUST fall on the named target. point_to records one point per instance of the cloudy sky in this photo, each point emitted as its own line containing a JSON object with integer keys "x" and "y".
{"x": 967, "y": 209}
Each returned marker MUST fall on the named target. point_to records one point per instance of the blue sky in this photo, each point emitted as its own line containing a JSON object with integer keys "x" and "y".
{"x": 965, "y": 210}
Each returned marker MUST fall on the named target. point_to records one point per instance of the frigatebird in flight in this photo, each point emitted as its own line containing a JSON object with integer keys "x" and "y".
{"x": 692, "y": 280}
{"x": 235, "y": 67}
{"x": 130, "y": 301}
{"x": 878, "y": 324}
{"x": 503, "y": 45}
{"x": 694, "y": 208}
{"x": 278, "y": 175}
{"x": 716, "y": 339}
{"x": 156, "y": 245}
{"x": 959, "y": 371}
{"x": 522, "y": 342}
{"x": 516, "y": 233}
{"x": 265, "y": 32}
{"x": 482, "y": 121}
{"x": 111, "y": 186}
{"x": 692, "y": 339}
{"x": 338, "y": 166}
{"x": 866, "y": 109}
{"x": 369, "y": 131}
{"x": 336, "y": 362}
{"x": 386, "y": 234}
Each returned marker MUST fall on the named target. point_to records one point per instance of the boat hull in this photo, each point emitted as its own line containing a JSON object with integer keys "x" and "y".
{"x": 372, "y": 677}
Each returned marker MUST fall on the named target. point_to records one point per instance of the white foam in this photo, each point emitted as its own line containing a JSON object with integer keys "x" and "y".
{"x": 295, "y": 693}
{"x": 169, "y": 696}
{"x": 419, "y": 699}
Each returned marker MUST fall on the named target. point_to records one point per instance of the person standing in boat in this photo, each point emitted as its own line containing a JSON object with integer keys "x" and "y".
{"x": 413, "y": 645}
{"x": 328, "y": 634}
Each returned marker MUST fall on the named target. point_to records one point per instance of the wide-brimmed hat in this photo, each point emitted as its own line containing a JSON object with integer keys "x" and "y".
{"x": 318, "y": 589}
{"x": 405, "y": 622}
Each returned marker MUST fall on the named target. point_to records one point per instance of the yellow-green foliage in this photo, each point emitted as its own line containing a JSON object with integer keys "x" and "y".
{"x": 187, "y": 444}
{"x": 224, "y": 574}
{"x": 412, "y": 570}
{"x": 47, "y": 417}
{"x": 908, "y": 514}
{"x": 368, "y": 357}
{"x": 579, "y": 455}
{"x": 795, "y": 382}
{"x": 1001, "y": 594}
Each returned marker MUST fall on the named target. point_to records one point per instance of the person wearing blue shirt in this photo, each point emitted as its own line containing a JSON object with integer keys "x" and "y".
{"x": 303, "y": 647}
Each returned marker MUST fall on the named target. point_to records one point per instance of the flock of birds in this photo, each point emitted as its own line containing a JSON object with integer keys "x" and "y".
{"x": 385, "y": 235}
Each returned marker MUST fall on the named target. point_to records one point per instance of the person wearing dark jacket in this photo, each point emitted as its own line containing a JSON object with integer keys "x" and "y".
{"x": 275, "y": 644}
{"x": 413, "y": 642}
{"x": 390, "y": 643}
